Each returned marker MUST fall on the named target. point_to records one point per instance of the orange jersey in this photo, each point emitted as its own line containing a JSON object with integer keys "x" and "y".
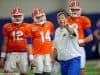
{"x": 17, "y": 36}
{"x": 82, "y": 23}
{"x": 42, "y": 43}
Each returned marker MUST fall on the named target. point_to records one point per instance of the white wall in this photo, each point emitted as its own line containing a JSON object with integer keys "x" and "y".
{"x": 29, "y": 5}
{"x": 88, "y": 6}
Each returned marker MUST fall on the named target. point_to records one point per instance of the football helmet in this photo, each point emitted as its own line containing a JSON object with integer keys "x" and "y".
{"x": 39, "y": 16}
{"x": 74, "y": 8}
{"x": 17, "y": 15}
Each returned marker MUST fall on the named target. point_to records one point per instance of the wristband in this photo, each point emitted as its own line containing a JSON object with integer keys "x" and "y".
{"x": 3, "y": 54}
{"x": 30, "y": 57}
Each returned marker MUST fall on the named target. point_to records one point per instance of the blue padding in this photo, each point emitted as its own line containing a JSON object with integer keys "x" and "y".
{"x": 88, "y": 31}
{"x": 29, "y": 40}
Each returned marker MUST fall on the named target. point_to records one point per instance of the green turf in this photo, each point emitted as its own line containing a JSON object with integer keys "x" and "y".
{"x": 90, "y": 69}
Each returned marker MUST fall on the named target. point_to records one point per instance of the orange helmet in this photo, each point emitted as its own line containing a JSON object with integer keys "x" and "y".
{"x": 17, "y": 15}
{"x": 39, "y": 16}
{"x": 74, "y": 8}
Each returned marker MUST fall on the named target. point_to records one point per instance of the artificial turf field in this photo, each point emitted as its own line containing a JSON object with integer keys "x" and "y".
{"x": 90, "y": 69}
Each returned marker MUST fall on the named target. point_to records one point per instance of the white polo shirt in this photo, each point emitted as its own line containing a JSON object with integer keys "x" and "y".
{"x": 66, "y": 44}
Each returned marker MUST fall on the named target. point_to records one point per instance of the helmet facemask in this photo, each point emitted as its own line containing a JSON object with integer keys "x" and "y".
{"x": 17, "y": 16}
{"x": 74, "y": 9}
{"x": 39, "y": 16}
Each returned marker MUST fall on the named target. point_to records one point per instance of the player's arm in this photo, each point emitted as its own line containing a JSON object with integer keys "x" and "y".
{"x": 5, "y": 41}
{"x": 88, "y": 38}
{"x": 87, "y": 30}
{"x": 29, "y": 42}
{"x": 30, "y": 53}
{"x": 29, "y": 50}
{"x": 3, "y": 52}
{"x": 4, "y": 47}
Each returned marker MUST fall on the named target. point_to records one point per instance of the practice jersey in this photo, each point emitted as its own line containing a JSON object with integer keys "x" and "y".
{"x": 42, "y": 43}
{"x": 17, "y": 36}
{"x": 83, "y": 23}
{"x": 66, "y": 44}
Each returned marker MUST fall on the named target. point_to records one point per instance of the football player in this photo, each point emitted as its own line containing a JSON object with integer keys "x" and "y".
{"x": 15, "y": 44}
{"x": 83, "y": 24}
{"x": 41, "y": 31}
